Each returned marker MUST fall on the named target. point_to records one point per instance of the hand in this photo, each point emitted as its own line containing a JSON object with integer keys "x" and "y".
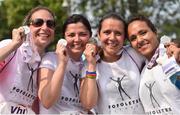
{"x": 18, "y": 36}
{"x": 62, "y": 54}
{"x": 173, "y": 50}
{"x": 90, "y": 53}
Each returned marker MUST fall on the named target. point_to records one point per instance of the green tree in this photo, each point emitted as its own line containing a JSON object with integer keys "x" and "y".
{"x": 163, "y": 13}
{"x": 13, "y": 12}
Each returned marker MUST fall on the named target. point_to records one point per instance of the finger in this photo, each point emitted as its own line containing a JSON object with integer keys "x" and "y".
{"x": 176, "y": 54}
{"x": 21, "y": 34}
{"x": 92, "y": 52}
{"x": 169, "y": 52}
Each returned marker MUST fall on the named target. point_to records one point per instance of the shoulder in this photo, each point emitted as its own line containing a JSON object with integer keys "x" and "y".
{"x": 133, "y": 52}
{"x": 135, "y": 56}
{"x": 5, "y": 42}
{"x": 130, "y": 49}
{"x": 49, "y": 55}
{"x": 49, "y": 60}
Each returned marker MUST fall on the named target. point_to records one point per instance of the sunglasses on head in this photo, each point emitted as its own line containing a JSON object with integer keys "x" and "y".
{"x": 39, "y": 22}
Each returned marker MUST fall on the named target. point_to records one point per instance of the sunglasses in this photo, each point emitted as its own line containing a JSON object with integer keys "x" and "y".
{"x": 39, "y": 22}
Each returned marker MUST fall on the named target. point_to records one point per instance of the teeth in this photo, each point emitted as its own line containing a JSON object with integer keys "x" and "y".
{"x": 112, "y": 44}
{"x": 42, "y": 34}
{"x": 77, "y": 45}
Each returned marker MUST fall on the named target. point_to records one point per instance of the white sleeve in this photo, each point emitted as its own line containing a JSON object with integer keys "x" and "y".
{"x": 49, "y": 61}
{"x": 4, "y": 43}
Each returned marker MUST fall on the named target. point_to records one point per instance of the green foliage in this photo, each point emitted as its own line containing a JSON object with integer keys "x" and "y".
{"x": 159, "y": 11}
{"x": 12, "y": 13}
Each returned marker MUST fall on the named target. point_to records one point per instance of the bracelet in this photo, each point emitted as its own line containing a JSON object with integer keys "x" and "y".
{"x": 91, "y": 75}
{"x": 87, "y": 72}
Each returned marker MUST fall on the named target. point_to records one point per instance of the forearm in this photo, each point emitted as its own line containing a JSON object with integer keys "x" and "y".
{"x": 5, "y": 51}
{"x": 89, "y": 90}
{"x": 52, "y": 91}
{"x": 89, "y": 93}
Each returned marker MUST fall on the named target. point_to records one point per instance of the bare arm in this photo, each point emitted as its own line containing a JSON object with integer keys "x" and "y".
{"x": 89, "y": 89}
{"x": 17, "y": 40}
{"x": 50, "y": 82}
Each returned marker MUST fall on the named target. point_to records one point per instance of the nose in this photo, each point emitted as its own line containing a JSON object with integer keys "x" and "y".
{"x": 139, "y": 39}
{"x": 44, "y": 26}
{"x": 77, "y": 37}
{"x": 112, "y": 36}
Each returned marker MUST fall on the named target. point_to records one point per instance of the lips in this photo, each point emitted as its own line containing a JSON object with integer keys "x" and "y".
{"x": 143, "y": 47}
{"x": 112, "y": 44}
{"x": 43, "y": 34}
{"x": 76, "y": 46}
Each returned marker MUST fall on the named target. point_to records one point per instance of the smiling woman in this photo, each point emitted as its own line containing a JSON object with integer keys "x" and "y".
{"x": 159, "y": 84}
{"x": 110, "y": 85}
{"x": 21, "y": 57}
{"x": 60, "y": 72}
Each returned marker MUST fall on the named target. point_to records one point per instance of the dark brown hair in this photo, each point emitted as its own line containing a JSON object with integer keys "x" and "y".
{"x": 75, "y": 18}
{"x": 144, "y": 19}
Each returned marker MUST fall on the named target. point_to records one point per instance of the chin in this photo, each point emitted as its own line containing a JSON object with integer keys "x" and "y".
{"x": 76, "y": 51}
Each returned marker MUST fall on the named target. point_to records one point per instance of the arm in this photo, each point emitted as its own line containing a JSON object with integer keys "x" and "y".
{"x": 88, "y": 88}
{"x": 50, "y": 82}
{"x": 17, "y": 40}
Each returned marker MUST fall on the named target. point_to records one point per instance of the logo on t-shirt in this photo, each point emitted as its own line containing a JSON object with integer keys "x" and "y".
{"x": 120, "y": 88}
{"x": 75, "y": 80}
{"x": 152, "y": 98}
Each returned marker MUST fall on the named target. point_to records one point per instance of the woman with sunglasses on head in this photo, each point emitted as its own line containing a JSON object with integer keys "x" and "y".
{"x": 21, "y": 57}
{"x": 159, "y": 93}
{"x": 111, "y": 85}
{"x": 60, "y": 72}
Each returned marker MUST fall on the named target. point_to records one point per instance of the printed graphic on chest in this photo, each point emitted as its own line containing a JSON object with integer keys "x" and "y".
{"x": 150, "y": 87}
{"x": 117, "y": 83}
{"x": 75, "y": 77}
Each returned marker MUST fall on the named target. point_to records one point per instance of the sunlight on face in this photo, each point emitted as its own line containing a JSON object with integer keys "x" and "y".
{"x": 77, "y": 36}
{"x": 142, "y": 38}
{"x": 112, "y": 36}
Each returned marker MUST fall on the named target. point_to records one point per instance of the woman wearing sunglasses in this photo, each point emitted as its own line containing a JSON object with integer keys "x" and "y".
{"x": 60, "y": 72}
{"x": 21, "y": 58}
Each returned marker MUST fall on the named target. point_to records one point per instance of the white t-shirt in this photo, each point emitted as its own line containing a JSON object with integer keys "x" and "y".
{"x": 69, "y": 101}
{"x": 157, "y": 93}
{"x": 16, "y": 83}
{"x": 118, "y": 84}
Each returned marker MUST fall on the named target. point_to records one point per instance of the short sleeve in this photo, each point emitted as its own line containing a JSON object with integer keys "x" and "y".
{"x": 49, "y": 61}
{"x": 4, "y": 43}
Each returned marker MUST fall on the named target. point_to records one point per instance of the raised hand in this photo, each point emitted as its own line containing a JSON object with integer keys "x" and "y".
{"x": 18, "y": 36}
{"x": 61, "y": 51}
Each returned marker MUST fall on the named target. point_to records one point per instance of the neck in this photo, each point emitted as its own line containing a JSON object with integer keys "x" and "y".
{"x": 40, "y": 51}
{"x": 75, "y": 57}
{"x": 111, "y": 58}
{"x": 148, "y": 57}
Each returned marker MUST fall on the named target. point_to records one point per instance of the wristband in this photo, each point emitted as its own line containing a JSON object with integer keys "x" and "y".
{"x": 91, "y": 75}
{"x": 87, "y": 72}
